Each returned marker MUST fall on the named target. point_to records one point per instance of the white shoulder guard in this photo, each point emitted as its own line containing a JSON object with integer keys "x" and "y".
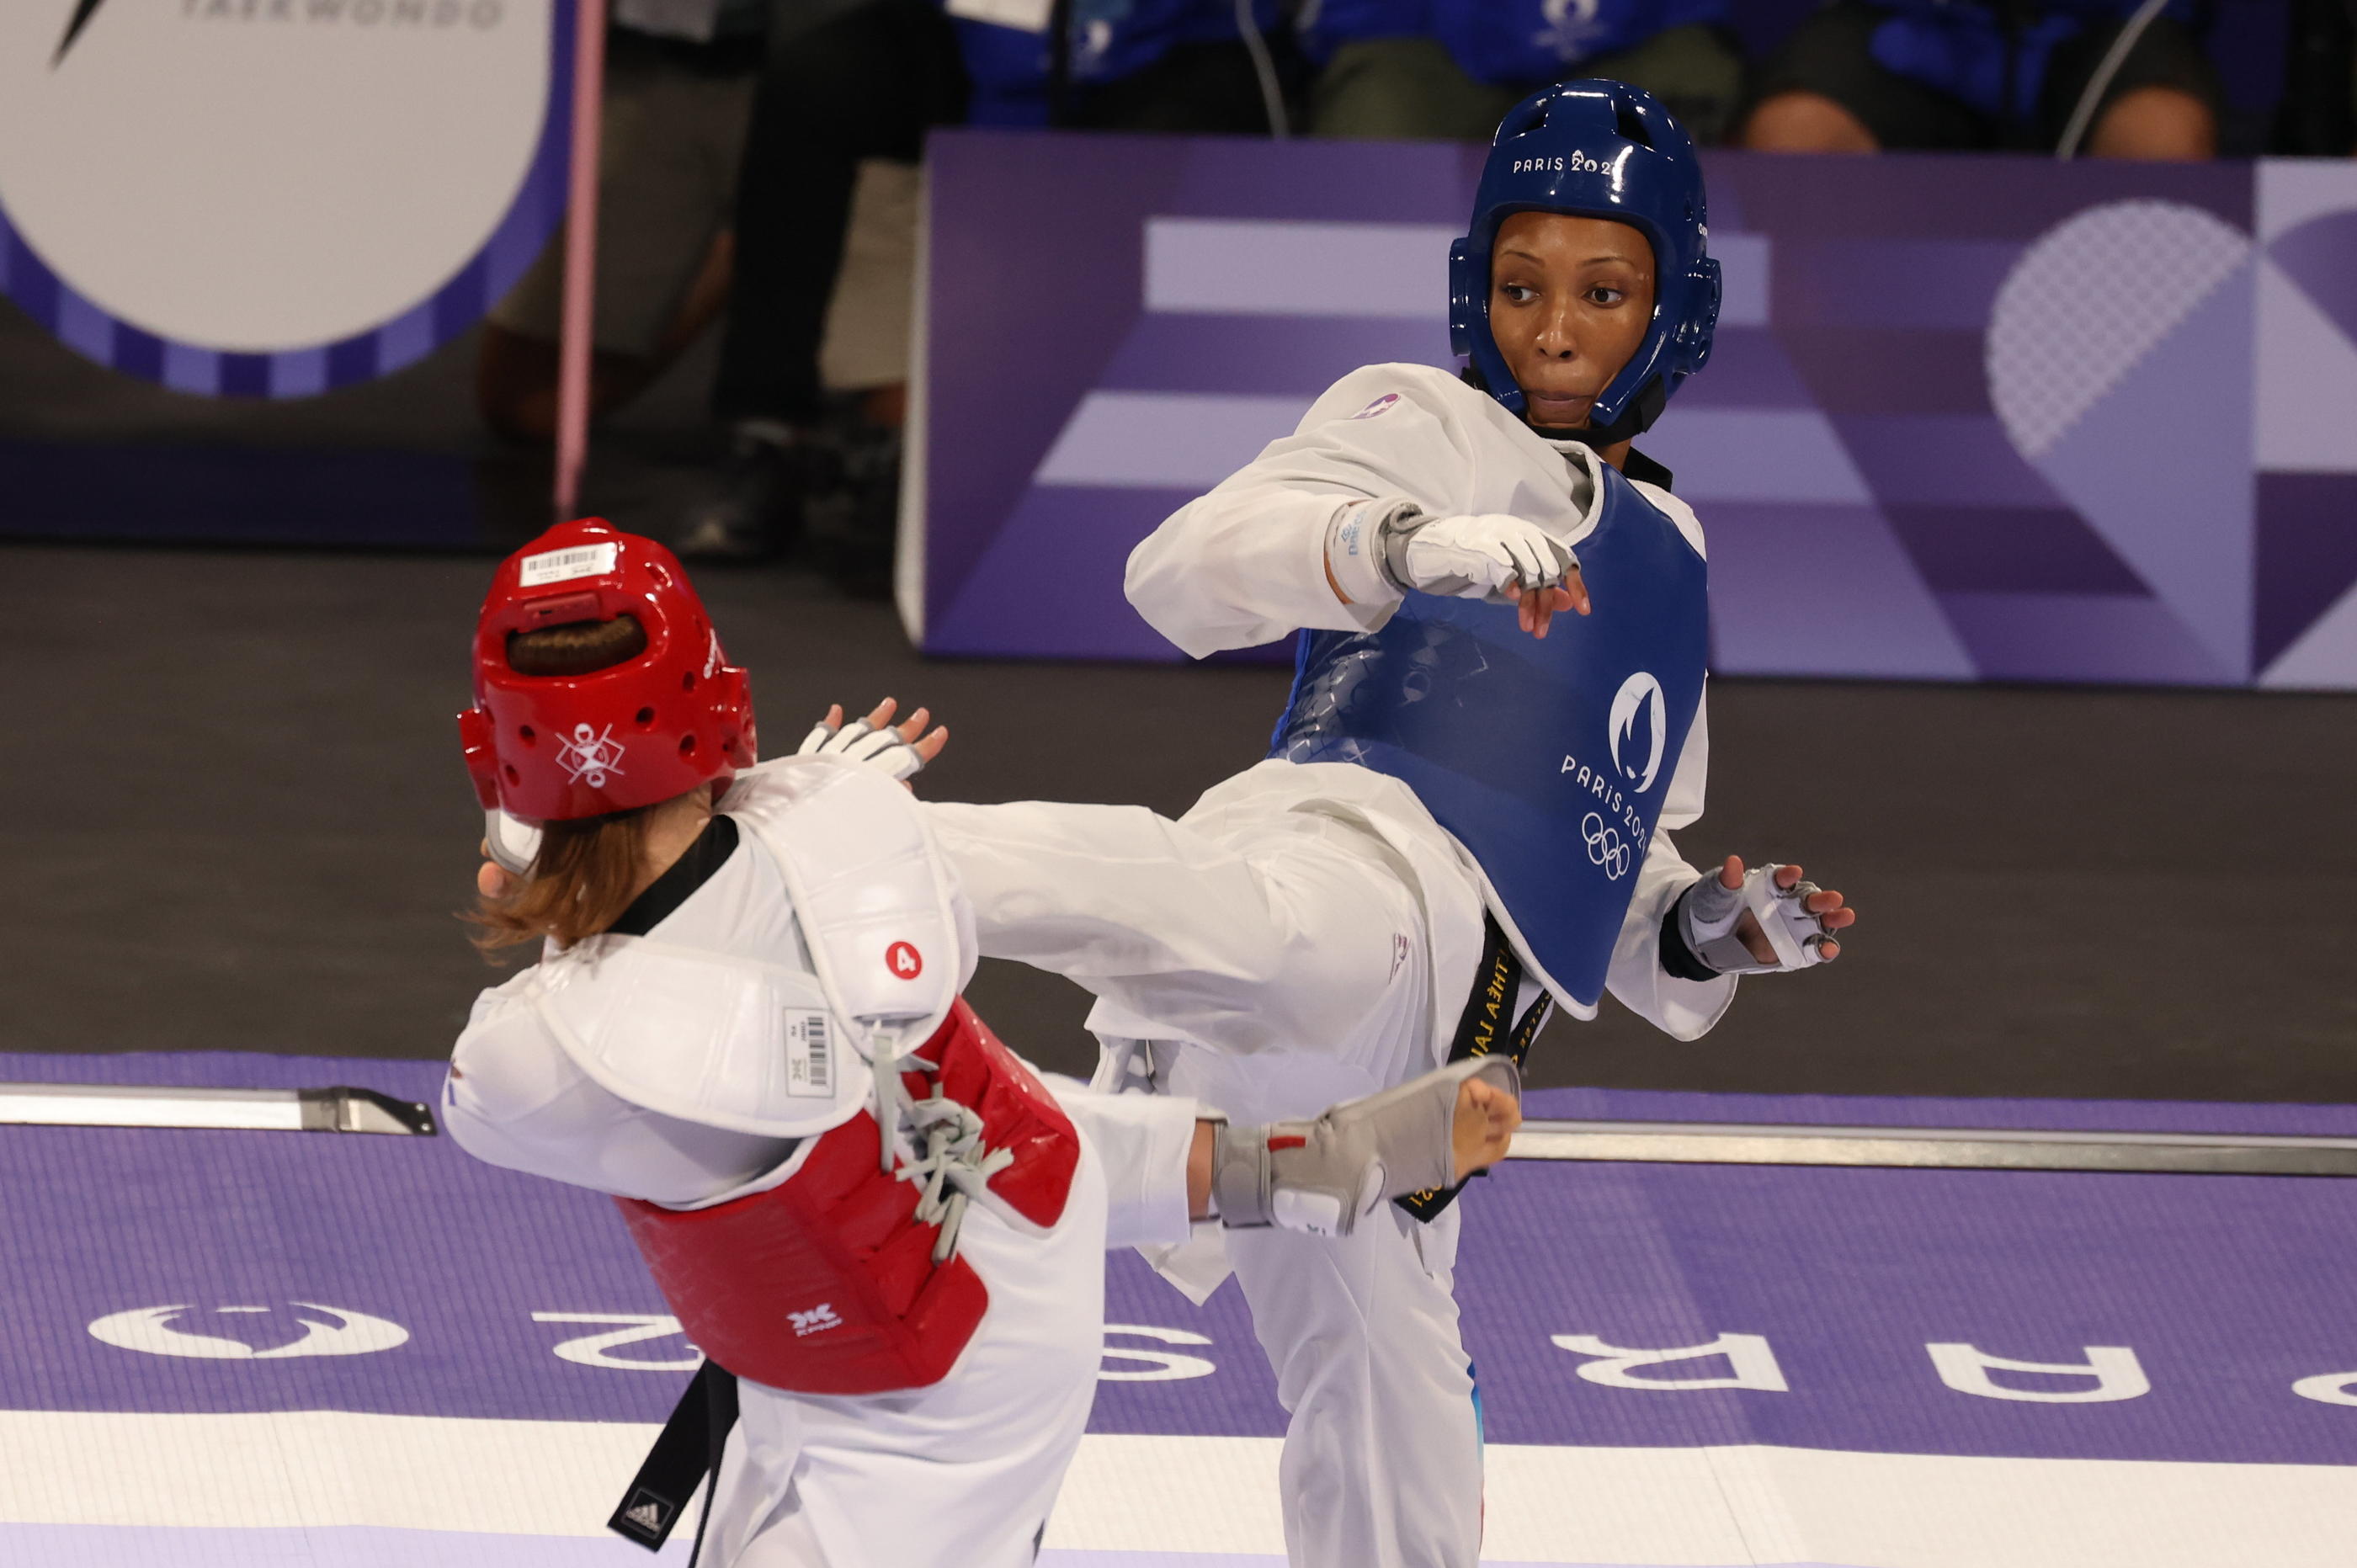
{"x": 870, "y": 889}
{"x": 702, "y": 1036}
{"x": 777, "y": 1048}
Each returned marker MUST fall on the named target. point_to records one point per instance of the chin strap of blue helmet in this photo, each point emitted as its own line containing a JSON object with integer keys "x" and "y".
{"x": 1596, "y": 149}
{"x": 1635, "y": 420}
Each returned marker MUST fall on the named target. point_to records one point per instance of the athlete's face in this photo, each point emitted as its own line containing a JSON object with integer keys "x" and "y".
{"x": 1570, "y": 302}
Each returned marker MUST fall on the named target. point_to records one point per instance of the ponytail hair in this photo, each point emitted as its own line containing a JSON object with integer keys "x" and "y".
{"x": 585, "y": 875}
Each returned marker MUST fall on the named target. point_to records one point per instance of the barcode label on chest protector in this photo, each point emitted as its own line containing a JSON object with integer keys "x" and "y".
{"x": 809, "y": 1055}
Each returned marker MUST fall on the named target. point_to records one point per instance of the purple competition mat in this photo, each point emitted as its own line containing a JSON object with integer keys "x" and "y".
{"x": 1867, "y": 1312}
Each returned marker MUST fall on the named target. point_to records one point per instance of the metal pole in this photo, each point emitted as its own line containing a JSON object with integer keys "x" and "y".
{"x": 1935, "y": 1148}
{"x": 580, "y": 255}
{"x": 342, "y": 1108}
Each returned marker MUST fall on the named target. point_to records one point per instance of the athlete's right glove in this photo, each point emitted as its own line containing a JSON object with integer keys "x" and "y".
{"x": 1322, "y": 1176}
{"x": 1709, "y": 911}
{"x": 1379, "y": 549}
{"x": 861, "y": 742}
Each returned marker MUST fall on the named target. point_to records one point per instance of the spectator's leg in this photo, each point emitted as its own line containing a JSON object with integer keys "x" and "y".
{"x": 1806, "y": 123}
{"x": 867, "y": 344}
{"x": 706, "y": 297}
{"x": 1824, "y": 92}
{"x": 1403, "y": 89}
{"x": 1696, "y": 70}
{"x": 864, "y": 85}
{"x": 515, "y": 382}
{"x": 851, "y": 516}
{"x": 515, "y": 372}
{"x": 671, "y": 126}
{"x": 2162, "y": 104}
{"x": 2155, "y": 123}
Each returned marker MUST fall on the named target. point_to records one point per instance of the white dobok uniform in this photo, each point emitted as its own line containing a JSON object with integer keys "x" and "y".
{"x": 1309, "y": 933}
{"x": 670, "y": 1067}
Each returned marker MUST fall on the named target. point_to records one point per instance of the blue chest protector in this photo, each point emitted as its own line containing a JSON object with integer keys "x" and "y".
{"x": 1548, "y": 760}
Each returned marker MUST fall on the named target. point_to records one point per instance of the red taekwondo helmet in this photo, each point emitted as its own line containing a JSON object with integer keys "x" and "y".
{"x": 557, "y": 747}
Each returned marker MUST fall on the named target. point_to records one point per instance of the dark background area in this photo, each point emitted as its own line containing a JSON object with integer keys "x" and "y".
{"x": 402, "y": 461}
{"x": 235, "y": 820}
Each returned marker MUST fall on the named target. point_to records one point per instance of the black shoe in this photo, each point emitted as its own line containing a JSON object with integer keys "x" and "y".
{"x": 757, "y": 509}
{"x": 851, "y": 513}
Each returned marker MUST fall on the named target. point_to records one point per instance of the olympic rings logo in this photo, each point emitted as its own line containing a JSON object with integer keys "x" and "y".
{"x": 1604, "y": 845}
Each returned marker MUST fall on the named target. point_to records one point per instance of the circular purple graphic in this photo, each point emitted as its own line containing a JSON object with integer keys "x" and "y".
{"x": 278, "y": 198}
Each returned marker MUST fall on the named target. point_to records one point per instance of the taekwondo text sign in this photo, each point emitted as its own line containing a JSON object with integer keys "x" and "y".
{"x": 1985, "y": 417}
{"x": 274, "y": 198}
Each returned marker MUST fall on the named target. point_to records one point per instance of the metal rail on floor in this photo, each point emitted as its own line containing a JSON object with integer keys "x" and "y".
{"x": 347, "y": 1110}
{"x": 341, "y": 1108}
{"x": 1934, "y": 1148}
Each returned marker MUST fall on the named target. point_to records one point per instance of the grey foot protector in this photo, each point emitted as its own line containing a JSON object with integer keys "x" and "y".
{"x": 1321, "y": 1176}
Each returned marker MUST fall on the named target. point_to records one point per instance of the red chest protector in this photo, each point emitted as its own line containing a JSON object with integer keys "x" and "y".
{"x": 825, "y": 1284}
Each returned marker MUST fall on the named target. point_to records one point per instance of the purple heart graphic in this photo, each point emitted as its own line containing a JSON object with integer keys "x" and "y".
{"x": 2316, "y": 256}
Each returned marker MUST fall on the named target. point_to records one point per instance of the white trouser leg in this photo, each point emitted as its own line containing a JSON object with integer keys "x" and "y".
{"x": 1382, "y": 1455}
{"x": 960, "y": 1475}
{"x": 1294, "y": 931}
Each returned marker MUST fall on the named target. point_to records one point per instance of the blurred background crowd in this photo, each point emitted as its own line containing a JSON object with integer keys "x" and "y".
{"x": 759, "y": 160}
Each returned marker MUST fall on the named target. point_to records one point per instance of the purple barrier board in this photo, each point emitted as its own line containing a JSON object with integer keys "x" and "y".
{"x": 1967, "y": 418}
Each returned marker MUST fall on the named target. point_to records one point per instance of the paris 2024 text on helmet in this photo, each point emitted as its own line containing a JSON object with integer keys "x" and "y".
{"x": 1597, "y": 149}
{"x": 672, "y": 715}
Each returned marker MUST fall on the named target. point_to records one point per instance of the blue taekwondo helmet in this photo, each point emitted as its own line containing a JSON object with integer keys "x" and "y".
{"x": 1597, "y": 149}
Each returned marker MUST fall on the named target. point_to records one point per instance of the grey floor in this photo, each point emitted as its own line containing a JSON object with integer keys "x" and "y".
{"x": 235, "y": 818}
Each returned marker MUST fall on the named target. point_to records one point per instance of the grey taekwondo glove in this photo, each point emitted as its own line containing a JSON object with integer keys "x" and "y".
{"x": 1709, "y": 911}
{"x": 1377, "y": 551}
{"x": 1321, "y": 1177}
{"x": 1477, "y": 557}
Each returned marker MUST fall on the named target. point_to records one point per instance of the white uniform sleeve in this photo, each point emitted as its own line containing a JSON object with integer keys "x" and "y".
{"x": 1246, "y": 563}
{"x": 1143, "y": 1141}
{"x": 1685, "y": 1009}
{"x": 514, "y": 1098}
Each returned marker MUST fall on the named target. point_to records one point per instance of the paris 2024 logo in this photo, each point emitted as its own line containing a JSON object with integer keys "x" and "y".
{"x": 1636, "y": 733}
{"x": 249, "y": 1333}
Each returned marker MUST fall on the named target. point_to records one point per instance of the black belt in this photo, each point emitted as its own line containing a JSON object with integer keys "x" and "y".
{"x": 687, "y": 1451}
{"x": 687, "y": 1454}
{"x": 1481, "y": 1031}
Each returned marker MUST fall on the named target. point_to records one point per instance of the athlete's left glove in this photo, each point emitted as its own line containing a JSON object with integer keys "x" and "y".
{"x": 1709, "y": 910}
{"x": 1377, "y": 551}
{"x": 862, "y": 743}
{"x": 1322, "y": 1176}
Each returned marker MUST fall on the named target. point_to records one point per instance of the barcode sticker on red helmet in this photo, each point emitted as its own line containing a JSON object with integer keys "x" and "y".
{"x": 564, "y": 565}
